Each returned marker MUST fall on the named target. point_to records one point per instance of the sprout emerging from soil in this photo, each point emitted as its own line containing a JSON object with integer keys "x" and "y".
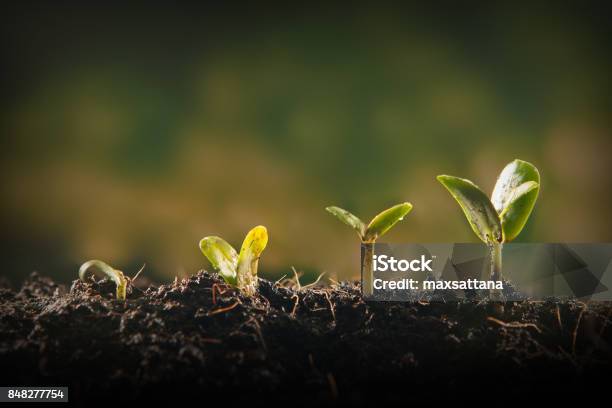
{"x": 369, "y": 234}
{"x": 113, "y": 274}
{"x": 501, "y": 218}
{"x": 238, "y": 270}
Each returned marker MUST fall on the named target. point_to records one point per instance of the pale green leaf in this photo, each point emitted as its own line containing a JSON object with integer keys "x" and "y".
{"x": 385, "y": 220}
{"x": 476, "y": 206}
{"x": 513, "y": 175}
{"x": 349, "y": 219}
{"x": 518, "y": 208}
{"x": 222, "y": 257}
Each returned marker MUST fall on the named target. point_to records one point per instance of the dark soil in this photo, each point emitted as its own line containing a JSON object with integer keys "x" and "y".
{"x": 199, "y": 339}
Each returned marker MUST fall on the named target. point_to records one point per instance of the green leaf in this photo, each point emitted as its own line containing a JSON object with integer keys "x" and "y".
{"x": 222, "y": 257}
{"x": 385, "y": 220}
{"x": 517, "y": 210}
{"x": 513, "y": 175}
{"x": 476, "y": 206}
{"x": 113, "y": 274}
{"x": 252, "y": 247}
{"x": 349, "y": 219}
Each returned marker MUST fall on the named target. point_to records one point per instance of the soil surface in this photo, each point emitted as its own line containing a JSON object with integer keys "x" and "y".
{"x": 199, "y": 339}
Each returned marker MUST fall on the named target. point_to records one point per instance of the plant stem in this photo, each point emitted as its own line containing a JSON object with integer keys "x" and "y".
{"x": 495, "y": 250}
{"x": 496, "y": 261}
{"x": 246, "y": 276}
{"x": 367, "y": 269}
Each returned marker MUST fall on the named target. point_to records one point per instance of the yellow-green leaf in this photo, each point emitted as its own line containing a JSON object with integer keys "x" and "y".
{"x": 476, "y": 206}
{"x": 349, "y": 219}
{"x": 385, "y": 220}
{"x": 517, "y": 210}
{"x": 252, "y": 247}
{"x": 222, "y": 257}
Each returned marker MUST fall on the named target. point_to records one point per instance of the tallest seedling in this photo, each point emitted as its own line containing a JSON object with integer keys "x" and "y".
{"x": 369, "y": 234}
{"x": 501, "y": 218}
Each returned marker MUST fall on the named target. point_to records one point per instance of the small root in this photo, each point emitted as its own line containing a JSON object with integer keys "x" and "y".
{"x": 298, "y": 285}
{"x": 216, "y": 288}
{"x": 133, "y": 279}
{"x": 333, "y": 386}
{"x": 331, "y": 306}
{"x": 223, "y": 309}
{"x": 310, "y": 285}
{"x": 313, "y": 366}
{"x": 558, "y": 313}
{"x": 277, "y": 283}
{"x": 295, "y": 305}
{"x": 514, "y": 325}
{"x": 575, "y": 332}
{"x": 258, "y": 331}
{"x": 369, "y": 319}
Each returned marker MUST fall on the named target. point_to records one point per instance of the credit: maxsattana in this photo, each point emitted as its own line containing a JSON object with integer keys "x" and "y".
{"x": 408, "y": 284}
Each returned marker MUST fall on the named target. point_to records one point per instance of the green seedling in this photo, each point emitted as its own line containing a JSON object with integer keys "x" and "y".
{"x": 113, "y": 274}
{"x": 501, "y": 218}
{"x": 369, "y": 234}
{"x": 238, "y": 270}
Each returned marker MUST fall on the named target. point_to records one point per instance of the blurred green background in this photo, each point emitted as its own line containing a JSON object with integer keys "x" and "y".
{"x": 128, "y": 134}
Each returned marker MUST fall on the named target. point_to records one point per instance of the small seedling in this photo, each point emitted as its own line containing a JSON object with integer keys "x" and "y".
{"x": 501, "y": 218}
{"x": 238, "y": 270}
{"x": 115, "y": 275}
{"x": 370, "y": 233}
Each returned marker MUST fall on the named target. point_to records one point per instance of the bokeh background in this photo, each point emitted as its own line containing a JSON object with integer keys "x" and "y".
{"x": 130, "y": 133}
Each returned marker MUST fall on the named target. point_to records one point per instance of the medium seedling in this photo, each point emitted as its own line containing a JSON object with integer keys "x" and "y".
{"x": 113, "y": 274}
{"x": 501, "y": 218}
{"x": 238, "y": 270}
{"x": 369, "y": 234}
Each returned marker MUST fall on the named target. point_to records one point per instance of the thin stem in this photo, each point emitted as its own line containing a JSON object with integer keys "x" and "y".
{"x": 495, "y": 250}
{"x": 113, "y": 274}
{"x": 367, "y": 268}
{"x": 496, "y": 261}
{"x": 246, "y": 276}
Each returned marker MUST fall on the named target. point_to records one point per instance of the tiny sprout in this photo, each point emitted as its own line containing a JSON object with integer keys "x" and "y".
{"x": 501, "y": 218}
{"x": 239, "y": 270}
{"x": 368, "y": 234}
{"x": 115, "y": 275}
